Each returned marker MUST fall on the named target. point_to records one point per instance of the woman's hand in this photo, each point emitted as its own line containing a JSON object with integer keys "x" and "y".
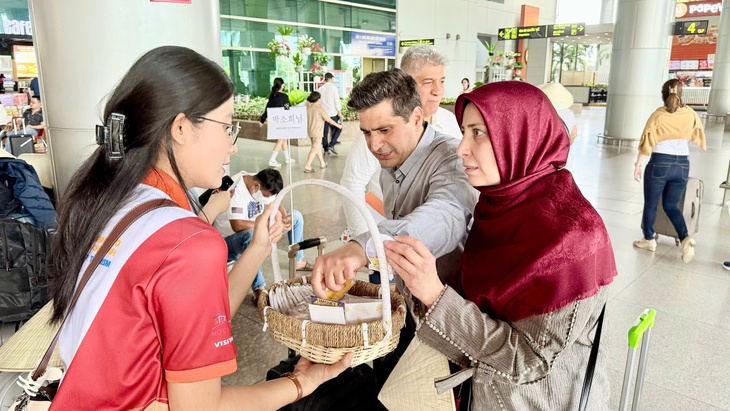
{"x": 416, "y": 266}
{"x": 637, "y": 173}
{"x": 312, "y": 375}
{"x": 217, "y": 204}
{"x": 263, "y": 235}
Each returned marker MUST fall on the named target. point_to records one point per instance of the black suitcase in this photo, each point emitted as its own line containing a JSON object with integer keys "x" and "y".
{"x": 21, "y": 144}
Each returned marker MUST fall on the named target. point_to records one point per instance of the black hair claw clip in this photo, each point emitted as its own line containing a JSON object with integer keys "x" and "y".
{"x": 111, "y": 135}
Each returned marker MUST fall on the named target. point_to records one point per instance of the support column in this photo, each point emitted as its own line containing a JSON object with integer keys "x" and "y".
{"x": 607, "y": 11}
{"x": 541, "y": 59}
{"x": 641, "y": 49}
{"x": 719, "y": 104}
{"x": 84, "y": 47}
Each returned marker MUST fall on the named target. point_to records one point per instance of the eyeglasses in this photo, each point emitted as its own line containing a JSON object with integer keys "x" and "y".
{"x": 231, "y": 129}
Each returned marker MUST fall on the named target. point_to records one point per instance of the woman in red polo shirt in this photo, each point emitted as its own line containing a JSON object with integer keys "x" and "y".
{"x": 151, "y": 329}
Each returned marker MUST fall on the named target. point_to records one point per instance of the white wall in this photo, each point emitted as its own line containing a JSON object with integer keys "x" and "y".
{"x": 426, "y": 19}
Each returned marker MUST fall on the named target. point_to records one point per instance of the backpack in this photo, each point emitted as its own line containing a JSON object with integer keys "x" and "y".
{"x": 8, "y": 203}
{"x": 24, "y": 253}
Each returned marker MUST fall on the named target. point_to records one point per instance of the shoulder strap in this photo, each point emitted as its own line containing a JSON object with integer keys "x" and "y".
{"x": 588, "y": 381}
{"x": 112, "y": 238}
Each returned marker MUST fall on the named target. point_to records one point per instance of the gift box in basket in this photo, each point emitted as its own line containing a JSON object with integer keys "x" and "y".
{"x": 370, "y": 328}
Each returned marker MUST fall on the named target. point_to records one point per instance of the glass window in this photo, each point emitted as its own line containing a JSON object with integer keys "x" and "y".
{"x": 253, "y": 71}
{"x": 312, "y": 12}
{"x": 249, "y": 34}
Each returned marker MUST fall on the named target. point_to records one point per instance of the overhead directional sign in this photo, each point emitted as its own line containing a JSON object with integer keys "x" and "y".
{"x": 409, "y": 43}
{"x": 541, "y": 32}
{"x": 685, "y": 28}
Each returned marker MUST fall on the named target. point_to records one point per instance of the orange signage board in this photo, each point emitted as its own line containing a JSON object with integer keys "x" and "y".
{"x": 25, "y": 61}
{"x": 697, "y": 9}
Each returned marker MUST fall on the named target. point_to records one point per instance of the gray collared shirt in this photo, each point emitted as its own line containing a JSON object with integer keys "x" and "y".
{"x": 429, "y": 198}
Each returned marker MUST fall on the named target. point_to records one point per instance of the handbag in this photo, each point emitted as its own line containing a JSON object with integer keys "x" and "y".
{"x": 411, "y": 384}
{"x": 39, "y": 386}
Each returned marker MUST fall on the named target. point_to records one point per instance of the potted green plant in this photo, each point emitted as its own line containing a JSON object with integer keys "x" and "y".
{"x": 298, "y": 61}
{"x": 517, "y": 72}
{"x": 285, "y": 32}
{"x": 490, "y": 48}
{"x": 297, "y": 97}
{"x": 305, "y": 44}
{"x": 278, "y": 49}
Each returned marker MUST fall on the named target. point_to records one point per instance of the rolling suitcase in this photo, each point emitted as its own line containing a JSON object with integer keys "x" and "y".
{"x": 640, "y": 333}
{"x": 21, "y": 143}
{"x": 690, "y": 204}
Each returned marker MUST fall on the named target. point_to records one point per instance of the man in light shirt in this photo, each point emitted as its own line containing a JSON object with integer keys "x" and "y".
{"x": 426, "y": 65}
{"x": 331, "y": 104}
{"x": 426, "y": 192}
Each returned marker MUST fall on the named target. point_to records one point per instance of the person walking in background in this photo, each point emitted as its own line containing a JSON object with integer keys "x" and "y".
{"x": 277, "y": 99}
{"x": 316, "y": 119}
{"x": 331, "y": 104}
{"x": 666, "y": 139}
{"x": 465, "y": 86}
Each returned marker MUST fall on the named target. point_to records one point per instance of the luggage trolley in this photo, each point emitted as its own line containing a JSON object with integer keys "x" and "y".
{"x": 640, "y": 333}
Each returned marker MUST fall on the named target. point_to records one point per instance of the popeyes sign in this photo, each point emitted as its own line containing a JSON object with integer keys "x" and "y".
{"x": 698, "y": 9}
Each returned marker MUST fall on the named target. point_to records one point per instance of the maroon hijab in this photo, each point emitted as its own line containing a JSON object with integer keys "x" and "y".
{"x": 536, "y": 244}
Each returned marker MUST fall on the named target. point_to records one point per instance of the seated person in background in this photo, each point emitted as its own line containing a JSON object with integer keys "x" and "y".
{"x": 33, "y": 118}
{"x": 253, "y": 192}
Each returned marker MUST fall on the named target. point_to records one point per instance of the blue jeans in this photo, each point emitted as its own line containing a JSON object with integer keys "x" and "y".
{"x": 665, "y": 178}
{"x": 238, "y": 243}
{"x": 335, "y": 134}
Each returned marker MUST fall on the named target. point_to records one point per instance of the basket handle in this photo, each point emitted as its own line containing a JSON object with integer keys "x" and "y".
{"x": 372, "y": 226}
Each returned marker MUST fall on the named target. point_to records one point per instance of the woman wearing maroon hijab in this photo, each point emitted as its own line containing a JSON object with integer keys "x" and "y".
{"x": 523, "y": 310}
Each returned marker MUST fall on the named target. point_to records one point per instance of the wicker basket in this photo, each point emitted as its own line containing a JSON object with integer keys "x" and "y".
{"x": 328, "y": 343}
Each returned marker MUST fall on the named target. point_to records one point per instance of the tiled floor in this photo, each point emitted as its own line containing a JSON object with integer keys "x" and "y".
{"x": 688, "y": 356}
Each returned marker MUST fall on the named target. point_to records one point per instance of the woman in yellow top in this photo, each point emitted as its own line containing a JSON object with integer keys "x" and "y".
{"x": 666, "y": 139}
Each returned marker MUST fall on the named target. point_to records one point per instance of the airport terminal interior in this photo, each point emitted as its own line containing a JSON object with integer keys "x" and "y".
{"x": 589, "y": 46}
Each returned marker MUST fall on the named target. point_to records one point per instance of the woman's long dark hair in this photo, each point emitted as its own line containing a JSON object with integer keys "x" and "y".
{"x": 163, "y": 83}
{"x": 278, "y": 85}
